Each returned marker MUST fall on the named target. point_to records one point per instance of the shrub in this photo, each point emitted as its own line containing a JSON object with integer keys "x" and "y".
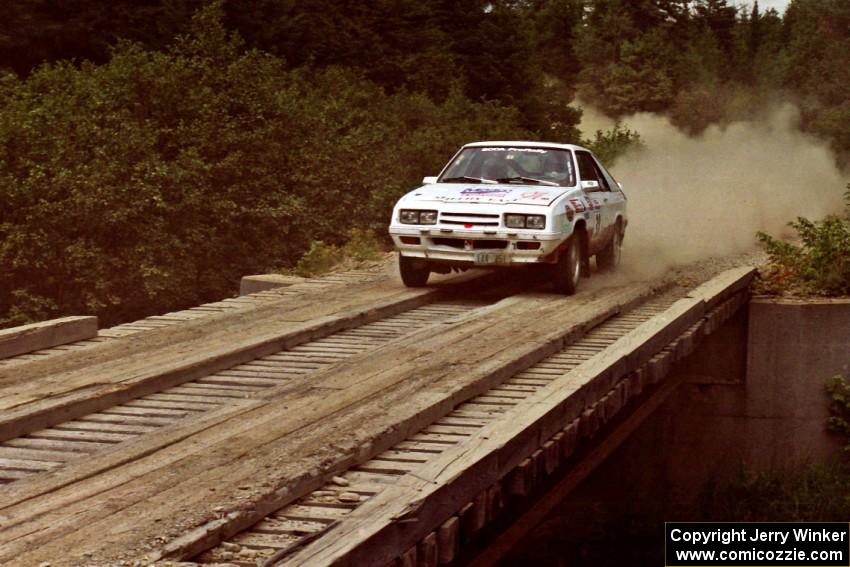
{"x": 613, "y": 143}
{"x": 362, "y": 247}
{"x": 819, "y": 265}
{"x": 319, "y": 259}
{"x": 838, "y": 389}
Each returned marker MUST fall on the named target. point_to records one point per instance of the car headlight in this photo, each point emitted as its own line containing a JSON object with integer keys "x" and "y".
{"x": 536, "y": 222}
{"x": 515, "y": 221}
{"x": 408, "y": 217}
{"x": 414, "y": 216}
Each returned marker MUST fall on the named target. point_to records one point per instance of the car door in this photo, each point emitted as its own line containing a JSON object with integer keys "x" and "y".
{"x": 613, "y": 198}
{"x": 600, "y": 217}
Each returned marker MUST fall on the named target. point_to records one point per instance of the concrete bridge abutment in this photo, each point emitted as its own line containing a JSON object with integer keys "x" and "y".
{"x": 752, "y": 397}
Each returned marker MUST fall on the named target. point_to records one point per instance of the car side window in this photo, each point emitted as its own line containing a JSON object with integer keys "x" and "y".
{"x": 606, "y": 175}
{"x": 585, "y": 167}
{"x": 590, "y": 171}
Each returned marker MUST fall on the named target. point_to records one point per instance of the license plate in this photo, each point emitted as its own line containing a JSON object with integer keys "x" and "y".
{"x": 489, "y": 258}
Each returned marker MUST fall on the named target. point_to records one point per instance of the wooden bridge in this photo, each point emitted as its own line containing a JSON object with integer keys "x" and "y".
{"x": 339, "y": 421}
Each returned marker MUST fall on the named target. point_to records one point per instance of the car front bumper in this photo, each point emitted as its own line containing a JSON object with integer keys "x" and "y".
{"x": 473, "y": 247}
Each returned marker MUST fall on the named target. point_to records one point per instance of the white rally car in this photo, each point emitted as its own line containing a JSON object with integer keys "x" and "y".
{"x": 510, "y": 204}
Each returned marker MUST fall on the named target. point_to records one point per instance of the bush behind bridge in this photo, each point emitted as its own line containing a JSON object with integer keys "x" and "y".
{"x": 154, "y": 181}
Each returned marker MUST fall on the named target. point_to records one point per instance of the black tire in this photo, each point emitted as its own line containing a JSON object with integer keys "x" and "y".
{"x": 414, "y": 271}
{"x": 608, "y": 259}
{"x": 567, "y": 271}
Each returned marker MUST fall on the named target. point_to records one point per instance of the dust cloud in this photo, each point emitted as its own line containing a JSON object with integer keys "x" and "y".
{"x": 692, "y": 198}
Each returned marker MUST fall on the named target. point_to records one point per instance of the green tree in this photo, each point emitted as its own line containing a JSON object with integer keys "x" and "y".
{"x": 818, "y": 67}
{"x": 36, "y": 31}
{"x": 554, "y": 23}
{"x": 627, "y": 68}
{"x": 719, "y": 17}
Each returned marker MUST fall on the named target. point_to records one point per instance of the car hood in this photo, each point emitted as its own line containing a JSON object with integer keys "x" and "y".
{"x": 487, "y": 193}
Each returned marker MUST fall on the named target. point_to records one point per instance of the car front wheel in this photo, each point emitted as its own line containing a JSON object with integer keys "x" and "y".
{"x": 414, "y": 271}
{"x": 567, "y": 271}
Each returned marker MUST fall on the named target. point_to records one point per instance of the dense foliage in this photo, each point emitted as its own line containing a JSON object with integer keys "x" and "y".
{"x": 159, "y": 178}
{"x": 702, "y": 61}
{"x": 140, "y": 173}
{"x": 818, "y": 265}
{"x": 838, "y": 389}
{"x": 814, "y": 493}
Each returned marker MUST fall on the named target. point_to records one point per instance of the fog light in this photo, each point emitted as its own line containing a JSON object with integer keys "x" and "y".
{"x": 528, "y": 246}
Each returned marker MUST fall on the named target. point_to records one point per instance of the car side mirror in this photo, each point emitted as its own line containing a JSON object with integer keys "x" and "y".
{"x": 590, "y": 186}
{"x": 429, "y": 180}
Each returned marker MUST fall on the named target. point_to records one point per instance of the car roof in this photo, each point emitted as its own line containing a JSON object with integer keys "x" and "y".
{"x": 525, "y": 144}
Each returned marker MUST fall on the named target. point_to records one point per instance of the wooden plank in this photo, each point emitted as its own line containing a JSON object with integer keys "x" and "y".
{"x": 293, "y": 527}
{"x": 7, "y": 475}
{"x": 447, "y": 540}
{"x": 256, "y": 284}
{"x": 305, "y": 357}
{"x": 206, "y": 391}
{"x": 83, "y": 425}
{"x": 273, "y": 541}
{"x": 222, "y": 379}
{"x": 76, "y": 447}
{"x": 428, "y": 448}
{"x": 720, "y": 288}
{"x": 145, "y": 412}
{"x": 167, "y": 396}
{"x": 314, "y": 513}
{"x": 85, "y": 436}
{"x": 35, "y": 454}
{"x": 268, "y": 374}
{"x": 261, "y": 364}
{"x": 27, "y": 465}
{"x": 144, "y": 403}
{"x": 426, "y": 553}
{"x": 390, "y": 466}
{"x": 46, "y": 334}
{"x": 407, "y": 455}
{"x": 119, "y": 419}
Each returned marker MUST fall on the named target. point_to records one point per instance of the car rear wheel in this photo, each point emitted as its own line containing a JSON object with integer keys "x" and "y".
{"x": 567, "y": 271}
{"x": 414, "y": 271}
{"x": 609, "y": 258}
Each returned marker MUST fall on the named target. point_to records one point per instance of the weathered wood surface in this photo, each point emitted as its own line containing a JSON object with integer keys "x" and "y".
{"x": 46, "y": 334}
{"x": 264, "y": 282}
{"x": 39, "y": 395}
{"x": 287, "y": 441}
{"x": 720, "y": 288}
{"x": 405, "y": 512}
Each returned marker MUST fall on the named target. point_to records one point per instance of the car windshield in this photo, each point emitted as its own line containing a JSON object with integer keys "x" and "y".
{"x": 508, "y": 164}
